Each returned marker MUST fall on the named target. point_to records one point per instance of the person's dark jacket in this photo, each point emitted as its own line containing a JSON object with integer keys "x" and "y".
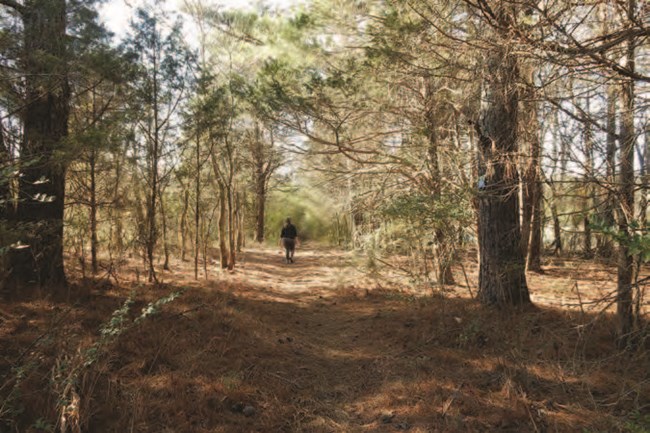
{"x": 289, "y": 232}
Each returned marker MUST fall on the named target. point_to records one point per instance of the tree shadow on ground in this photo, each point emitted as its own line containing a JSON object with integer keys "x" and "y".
{"x": 366, "y": 363}
{"x": 251, "y": 356}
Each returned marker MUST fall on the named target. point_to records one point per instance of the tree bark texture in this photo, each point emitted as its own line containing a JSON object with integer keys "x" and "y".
{"x": 163, "y": 216}
{"x": 624, "y": 307}
{"x": 502, "y": 278}
{"x": 39, "y": 213}
{"x": 442, "y": 250}
{"x": 232, "y": 251}
{"x": 532, "y": 193}
{"x": 223, "y": 217}
{"x": 183, "y": 224}
{"x": 590, "y": 193}
{"x": 197, "y": 206}
{"x": 260, "y": 205}
{"x": 93, "y": 211}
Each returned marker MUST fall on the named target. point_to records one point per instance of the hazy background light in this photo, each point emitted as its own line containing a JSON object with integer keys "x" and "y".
{"x": 116, "y": 14}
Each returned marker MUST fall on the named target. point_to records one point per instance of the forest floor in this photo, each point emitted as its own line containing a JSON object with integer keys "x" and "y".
{"x": 320, "y": 346}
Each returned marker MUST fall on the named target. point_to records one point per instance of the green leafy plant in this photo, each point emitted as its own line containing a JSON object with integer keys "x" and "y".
{"x": 637, "y": 240}
{"x": 68, "y": 370}
{"x": 469, "y": 333}
{"x": 637, "y": 422}
{"x": 43, "y": 425}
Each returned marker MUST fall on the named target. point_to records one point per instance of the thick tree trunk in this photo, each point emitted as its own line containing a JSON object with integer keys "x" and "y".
{"x": 502, "y": 277}
{"x": 39, "y": 214}
{"x": 624, "y": 307}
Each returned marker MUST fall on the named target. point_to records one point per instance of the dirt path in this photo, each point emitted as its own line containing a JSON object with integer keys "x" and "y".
{"x": 313, "y": 347}
{"x": 317, "y": 347}
{"x": 315, "y": 269}
{"x": 335, "y": 351}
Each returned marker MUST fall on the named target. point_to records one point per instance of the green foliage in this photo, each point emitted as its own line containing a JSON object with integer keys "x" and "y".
{"x": 470, "y": 333}
{"x": 414, "y": 219}
{"x": 312, "y": 214}
{"x": 637, "y": 240}
{"x": 427, "y": 212}
{"x": 302, "y": 21}
{"x": 637, "y": 422}
{"x": 43, "y": 425}
{"x": 154, "y": 308}
{"x": 68, "y": 370}
{"x": 11, "y": 406}
{"x": 119, "y": 322}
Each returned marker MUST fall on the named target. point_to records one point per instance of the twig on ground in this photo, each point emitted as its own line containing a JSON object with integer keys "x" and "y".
{"x": 582, "y": 310}
{"x": 462, "y": 266}
{"x": 291, "y": 382}
{"x": 189, "y": 310}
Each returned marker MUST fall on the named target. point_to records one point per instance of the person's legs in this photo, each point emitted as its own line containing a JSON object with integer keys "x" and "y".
{"x": 288, "y": 249}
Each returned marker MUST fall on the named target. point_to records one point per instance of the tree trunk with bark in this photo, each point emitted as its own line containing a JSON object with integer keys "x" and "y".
{"x": 624, "y": 306}
{"x": 442, "y": 251}
{"x": 590, "y": 192}
{"x": 502, "y": 277}
{"x": 232, "y": 248}
{"x": 93, "y": 210}
{"x": 260, "y": 203}
{"x": 532, "y": 195}
{"x": 39, "y": 213}
{"x": 115, "y": 212}
{"x": 182, "y": 226}
{"x": 604, "y": 244}
{"x": 223, "y": 218}
{"x": 642, "y": 153}
{"x": 151, "y": 223}
{"x": 163, "y": 217}
{"x": 197, "y": 207}
{"x": 239, "y": 221}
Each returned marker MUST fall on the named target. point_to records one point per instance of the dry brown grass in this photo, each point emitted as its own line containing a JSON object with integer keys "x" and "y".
{"x": 316, "y": 347}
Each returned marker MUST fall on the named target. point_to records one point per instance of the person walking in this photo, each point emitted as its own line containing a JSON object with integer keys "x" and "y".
{"x": 288, "y": 238}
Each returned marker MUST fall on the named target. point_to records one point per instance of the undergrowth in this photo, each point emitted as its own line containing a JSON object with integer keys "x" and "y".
{"x": 70, "y": 376}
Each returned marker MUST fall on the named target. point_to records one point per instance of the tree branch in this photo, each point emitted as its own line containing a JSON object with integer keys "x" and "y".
{"x": 14, "y": 5}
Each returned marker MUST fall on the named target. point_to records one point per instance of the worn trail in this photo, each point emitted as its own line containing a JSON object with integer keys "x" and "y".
{"x": 316, "y": 346}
